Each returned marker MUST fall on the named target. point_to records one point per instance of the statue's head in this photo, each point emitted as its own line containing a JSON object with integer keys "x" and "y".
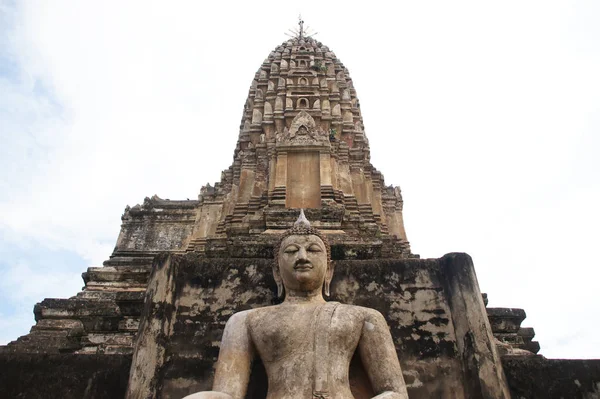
{"x": 302, "y": 259}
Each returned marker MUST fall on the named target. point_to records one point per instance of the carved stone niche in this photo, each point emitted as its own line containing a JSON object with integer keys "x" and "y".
{"x": 303, "y": 163}
{"x": 303, "y": 132}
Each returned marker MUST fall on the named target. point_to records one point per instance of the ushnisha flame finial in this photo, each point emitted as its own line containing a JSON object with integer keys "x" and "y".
{"x": 302, "y": 220}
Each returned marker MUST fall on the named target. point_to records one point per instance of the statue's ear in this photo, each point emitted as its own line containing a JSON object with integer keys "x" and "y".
{"x": 328, "y": 278}
{"x": 278, "y": 280}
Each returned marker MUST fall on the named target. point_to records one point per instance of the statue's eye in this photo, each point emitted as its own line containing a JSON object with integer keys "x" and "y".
{"x": 291, "y": 249}
{"x": 314, "y": 248}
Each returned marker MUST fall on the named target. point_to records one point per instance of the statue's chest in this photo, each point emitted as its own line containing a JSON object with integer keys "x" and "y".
{"x": 296, "y": 332}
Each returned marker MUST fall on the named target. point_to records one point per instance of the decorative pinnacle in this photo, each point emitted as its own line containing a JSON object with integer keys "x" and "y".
{"x": 300, "y": 33}
{"x": 302, "y": 220}
{"x": 301, "y": 30}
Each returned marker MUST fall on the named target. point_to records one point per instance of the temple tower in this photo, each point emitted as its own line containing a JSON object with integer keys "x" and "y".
{"x": 301, "y": 144}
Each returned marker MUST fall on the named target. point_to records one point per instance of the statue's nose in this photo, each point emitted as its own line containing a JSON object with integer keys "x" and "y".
{"x": 302, "y": 253}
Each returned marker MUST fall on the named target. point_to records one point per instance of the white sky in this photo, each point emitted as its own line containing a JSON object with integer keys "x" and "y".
{"x": 486, "y": 114}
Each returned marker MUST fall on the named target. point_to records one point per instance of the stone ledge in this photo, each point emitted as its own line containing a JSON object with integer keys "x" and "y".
{"x": 505, "y": 320}
{"x": 75, "y": 308}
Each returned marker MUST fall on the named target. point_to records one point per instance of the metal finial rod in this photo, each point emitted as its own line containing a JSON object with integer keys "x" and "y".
{"x": 301, "y": 32}
{"x": 301, "y": 24}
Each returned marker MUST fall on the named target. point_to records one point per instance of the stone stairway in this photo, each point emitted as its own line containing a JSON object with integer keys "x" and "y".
{"x": 382, "y": 225}
{"x": 327, "y": 193}
{"x": 278, "y": 194}
{"x": 222, "y": 226}
{"x": 338, "y": 196}
{"x": 103, "y": 318}
{"x": 256, "y": 203}
{"x": 196, "y": 245}
{"x": 351, "y": 205}
{"x": 366, "y": 213}
{"x": 239, "y": 212}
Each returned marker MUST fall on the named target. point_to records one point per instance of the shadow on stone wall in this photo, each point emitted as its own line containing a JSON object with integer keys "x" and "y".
{"x": 64, "y": 376}
{"x": 535, "y": 377}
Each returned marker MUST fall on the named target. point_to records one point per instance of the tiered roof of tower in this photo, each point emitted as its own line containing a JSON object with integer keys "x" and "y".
{"x": 302, "y": 144}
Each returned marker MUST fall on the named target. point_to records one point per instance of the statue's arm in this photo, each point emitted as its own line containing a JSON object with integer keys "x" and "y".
{"x": 234, "y": 363}
{"x": 235, "y": 358}
{"x": 379, "y": 358}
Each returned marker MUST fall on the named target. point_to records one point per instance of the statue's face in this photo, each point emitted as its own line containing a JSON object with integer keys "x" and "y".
{"x": 302, "y": 262}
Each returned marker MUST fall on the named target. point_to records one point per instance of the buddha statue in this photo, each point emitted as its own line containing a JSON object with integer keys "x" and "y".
{"x": 305, "y": 343}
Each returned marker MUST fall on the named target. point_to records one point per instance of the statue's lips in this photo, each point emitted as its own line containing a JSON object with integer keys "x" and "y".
{"x": 303, "y": 266}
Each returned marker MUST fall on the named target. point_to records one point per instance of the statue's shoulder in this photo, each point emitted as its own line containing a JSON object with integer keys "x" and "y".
{"x": 242, "y": 318}
{"x": 251, "y": 316}
{"x": 248, "y": 319}
{"x": 359, "y": 312}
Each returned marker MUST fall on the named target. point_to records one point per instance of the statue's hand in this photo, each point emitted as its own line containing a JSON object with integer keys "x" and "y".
{"x": 391, "y": 395}
{"x": 208, "y": 395}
